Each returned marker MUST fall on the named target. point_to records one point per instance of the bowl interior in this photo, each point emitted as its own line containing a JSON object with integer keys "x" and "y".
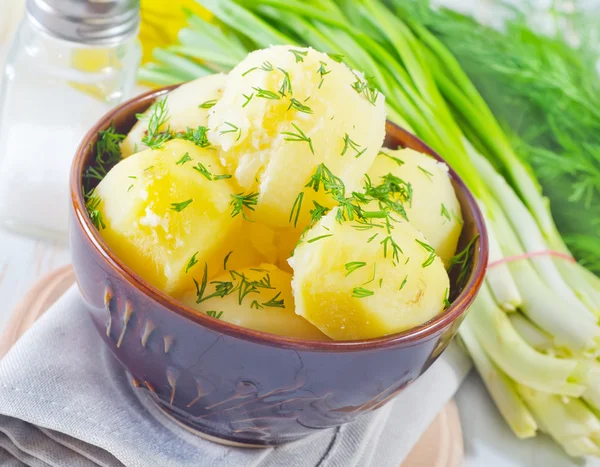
{"x": 123, "y": 118}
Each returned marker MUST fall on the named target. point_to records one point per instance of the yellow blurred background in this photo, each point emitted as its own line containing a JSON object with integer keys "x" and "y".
{"x": 161, "y": 20}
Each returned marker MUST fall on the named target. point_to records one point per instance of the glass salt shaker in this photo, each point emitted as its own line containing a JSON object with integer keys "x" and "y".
{"x": 70, "y": 62}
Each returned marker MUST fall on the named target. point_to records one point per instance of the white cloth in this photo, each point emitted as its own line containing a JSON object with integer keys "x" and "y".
{"x": 66, "y": 401}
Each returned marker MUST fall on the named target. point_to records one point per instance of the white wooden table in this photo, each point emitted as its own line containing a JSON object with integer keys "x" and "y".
{"x": 488, "y": 441}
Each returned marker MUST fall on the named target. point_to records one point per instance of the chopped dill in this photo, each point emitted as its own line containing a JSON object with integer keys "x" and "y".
{"x": 92, "y": 204}
{"x": 181, "y": 206}
{"x": 428, "y": 248}
{"x": 314, "y": 239}
{"x": 274, "y": 302}
{"x": 322, "y": 71}
{"x": 159, "y": 116}
{"x": 361, "y": 292}
{"x": 248, "y": 98}
{"x": 300, "y": 136}
{"x": 426, "y": 172}
{"x": 208, "y": 104}
{"x": 299, "y": 106}
{"x": 286, "y": 85}
{"x": 266, "y": 94}
{"x": 226, "y": 259}
{"x": 397, "y": 160}
{"x": 185, "y": 158}
{"x": 241, "y": 201}
{"x": 200, "y": 168}
{"x": 232, "y": 129}
{"x": 445, "y": 212}
{"x": 349, "y": 144}
{"x": 353, "y": 266}
{"x": 297, "y": 206}
{"x": 214, "y": 314}
{"x": 192, "y": 262}
{"x": 299, "y": 54}
{"x": 462, "y": 260}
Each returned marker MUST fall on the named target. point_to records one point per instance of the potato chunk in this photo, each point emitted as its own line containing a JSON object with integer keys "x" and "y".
{"x": 187, "y": 107}
{"x": 358, "y": 284}
{"x": 165, "y": 219}
{"x": 434, "y": 208}
{"x": 255, "y": 298}
{"x": 284, "y": 111}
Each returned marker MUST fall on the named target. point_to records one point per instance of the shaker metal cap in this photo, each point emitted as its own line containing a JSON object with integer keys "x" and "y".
{"x": 93, "y": 22}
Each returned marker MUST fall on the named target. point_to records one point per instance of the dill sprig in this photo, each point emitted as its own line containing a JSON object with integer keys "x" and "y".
{"x": 242, "y": 201}
{"x": 185, "y": 158}
{"x": 322, "y": 71}
{"x": 390, "y": 244}
{"x": 361, "y": 292}
{"x": 274, "y": 302}
{"x": 231, "y": 128}
{"x": 299, "y": 54}
{"x": 201, "y": 169}
{"x": 297, "y": 206}
{"x": 266, "y": 94}
{"x": 108, "y": 153}
{"x": 214, "y": 314}
{"x": 192, "y": 262}
{"x": 178, "y": 207}
{"x": 299, "y": 106}
{"x": 353, "y": 266}
{"x": 428, "y": 248}
{"x": 158, "y": 117}
{"x": 299, "y": 136}
{"x": 462, "y": 261}
{"x": 208, "y": 104}
{"x": 92, "y": 205}
{"x": 198, "y": 136}
{"x": 226, "y": 259}
{"x": 427, "y": 173}
{"x": 397, "y": 160}
{"x": 445, "y": 213}
{"x": 349, "y": 144}
{"x": 320, "y": 237}
{"x": 286, "y": 85}
{"x": 248, "y": 99}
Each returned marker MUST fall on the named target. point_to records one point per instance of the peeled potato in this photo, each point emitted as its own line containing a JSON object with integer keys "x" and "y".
{"x": 284, "y": 111}
{"x": 187, "y": 106}
{"x": 434, "y": 208}
{"x": 259, "y": 298}
{"x": 350, "y": 285}
{"x": 164, "y": 219}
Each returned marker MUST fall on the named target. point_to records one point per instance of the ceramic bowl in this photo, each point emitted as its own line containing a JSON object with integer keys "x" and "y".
{"x": 236, "y": 385}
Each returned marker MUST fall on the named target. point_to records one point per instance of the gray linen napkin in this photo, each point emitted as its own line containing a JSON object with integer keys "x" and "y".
{"x": 65, "y": 401}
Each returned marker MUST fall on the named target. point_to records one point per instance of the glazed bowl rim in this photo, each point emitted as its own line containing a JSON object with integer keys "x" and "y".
{"x": 458, "y": 307}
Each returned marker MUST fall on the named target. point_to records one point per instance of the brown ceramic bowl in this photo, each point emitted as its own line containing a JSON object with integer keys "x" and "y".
{"x": 235, "y": 384}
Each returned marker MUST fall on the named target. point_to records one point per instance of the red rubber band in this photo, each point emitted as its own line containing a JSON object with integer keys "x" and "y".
{"x": 510, "y": 259}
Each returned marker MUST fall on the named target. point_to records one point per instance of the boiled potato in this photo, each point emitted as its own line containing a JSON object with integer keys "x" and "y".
{"x": 284, "y": 111}
{"x": 187, "y": 107}
{"x": 164, "y": 219}
{"x": 255, "y": 298}
{"x": 433, "y": 208}
{"x": 358, "y": 284}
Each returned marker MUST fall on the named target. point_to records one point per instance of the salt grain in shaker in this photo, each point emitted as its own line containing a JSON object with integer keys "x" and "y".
{"x": 70, "y": 62}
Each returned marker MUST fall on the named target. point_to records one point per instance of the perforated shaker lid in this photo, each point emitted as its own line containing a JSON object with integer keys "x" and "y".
{"x": 92, "y": 22}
